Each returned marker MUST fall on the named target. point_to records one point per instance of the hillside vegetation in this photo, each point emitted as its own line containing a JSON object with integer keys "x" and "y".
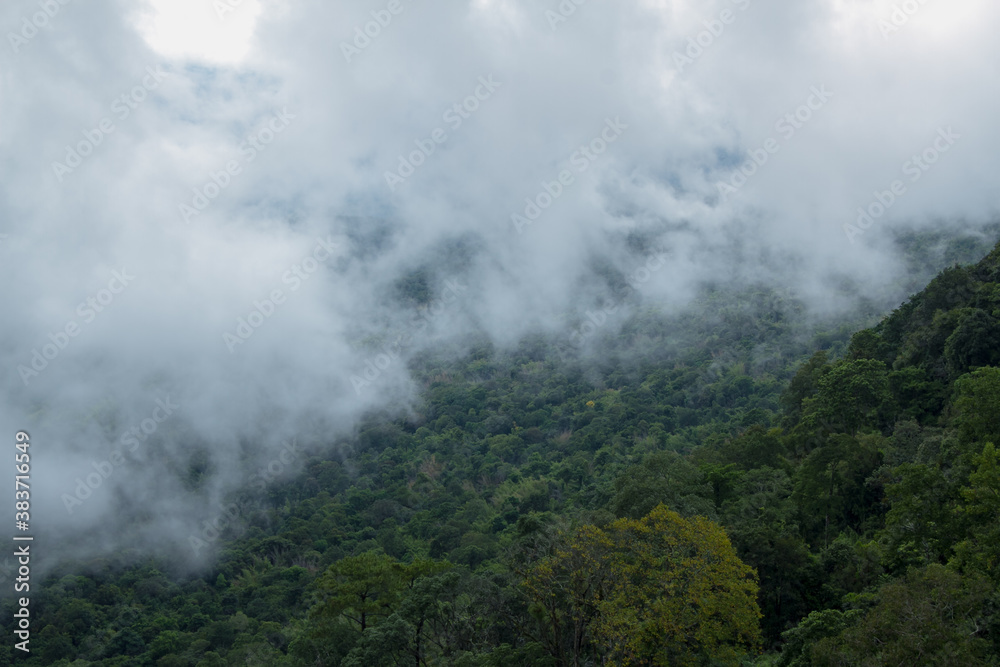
{"x": 723, "y": 487}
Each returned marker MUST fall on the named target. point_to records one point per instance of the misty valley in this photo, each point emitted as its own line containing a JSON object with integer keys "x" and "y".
{"x": 739, "y": 484}
{"x": 500, "y": 333}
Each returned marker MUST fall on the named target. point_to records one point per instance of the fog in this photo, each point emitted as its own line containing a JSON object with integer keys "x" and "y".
{"x": 227, "y": 226}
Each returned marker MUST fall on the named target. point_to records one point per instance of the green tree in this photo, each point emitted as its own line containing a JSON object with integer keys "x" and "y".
{"x": 977, "y": 405}
{"x": 932, "y": 617}
{"x": 361, "y": 589}
{"x": 756, "y": 447}
{"x": 831, "y": 486}
{"x": 432, "y": 626}
{"x": 853, "y": 395}
{"x": 818, "y": 625}
{"x": 804, "y": 384}
{"x": 667, "y": 478}
{"x": 762, "y": 521}
{"x": 974, "y": 342}
{"x": 922, "y": 524}
{"x": 980, "y": 508}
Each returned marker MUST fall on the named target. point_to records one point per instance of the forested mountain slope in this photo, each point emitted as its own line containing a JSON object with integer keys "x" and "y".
{"x": 713, "y": 491}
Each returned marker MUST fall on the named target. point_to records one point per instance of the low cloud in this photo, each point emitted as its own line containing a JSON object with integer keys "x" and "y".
{"x": 170, "y": 193}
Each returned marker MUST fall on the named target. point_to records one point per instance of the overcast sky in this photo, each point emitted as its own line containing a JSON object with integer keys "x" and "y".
{"x": 168, "y": 167}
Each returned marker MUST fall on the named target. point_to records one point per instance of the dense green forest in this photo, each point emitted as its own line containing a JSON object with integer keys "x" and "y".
{"x": 736, "y": 484}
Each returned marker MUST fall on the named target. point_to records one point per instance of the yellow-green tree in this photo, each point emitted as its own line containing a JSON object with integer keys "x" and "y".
{"x": 661, "y": 590}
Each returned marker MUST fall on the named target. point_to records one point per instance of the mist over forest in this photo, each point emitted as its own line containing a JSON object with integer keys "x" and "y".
{"x": 306, "y": 294}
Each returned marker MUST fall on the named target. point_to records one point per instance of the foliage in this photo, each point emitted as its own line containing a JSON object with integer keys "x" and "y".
{"x": 932, "y": 617}
{"x": 660, "y": 590}
{"x": 705, "y": 483}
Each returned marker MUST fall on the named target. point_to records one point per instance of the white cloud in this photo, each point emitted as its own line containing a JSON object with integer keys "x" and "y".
{"x": 213, "y": 31}
{"x": 325, "y": 175}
